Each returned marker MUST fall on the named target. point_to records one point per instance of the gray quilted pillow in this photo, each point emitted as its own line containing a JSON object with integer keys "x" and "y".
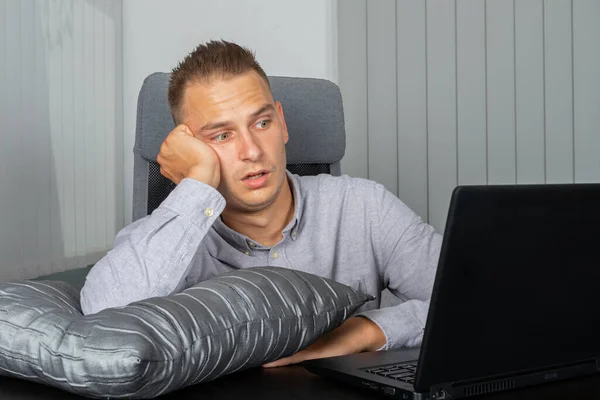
{"x": 239, "y": 320}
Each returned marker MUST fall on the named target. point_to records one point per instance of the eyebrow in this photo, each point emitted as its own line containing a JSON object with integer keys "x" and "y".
{"x": 217, "y": 125}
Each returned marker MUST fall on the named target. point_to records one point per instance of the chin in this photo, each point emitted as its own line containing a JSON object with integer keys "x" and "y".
{"x": 257, "y": 203}
{"x": 254, "y": 202}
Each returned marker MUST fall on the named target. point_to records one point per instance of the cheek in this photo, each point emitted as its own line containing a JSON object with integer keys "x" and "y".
{"x": 229, "y": 164}
{"x": 276, "y": 143}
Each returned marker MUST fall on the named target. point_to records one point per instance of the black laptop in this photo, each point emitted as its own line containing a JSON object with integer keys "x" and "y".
{"x": 516, "y": 298}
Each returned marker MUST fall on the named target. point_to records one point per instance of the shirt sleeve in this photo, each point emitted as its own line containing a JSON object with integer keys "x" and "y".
{"x": 152, "y": 256}
{"x": 408, "y": 254}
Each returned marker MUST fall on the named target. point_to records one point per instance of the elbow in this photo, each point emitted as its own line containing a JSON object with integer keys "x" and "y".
{"x": 94, "y": 298}
{"x": 88, "y": 305}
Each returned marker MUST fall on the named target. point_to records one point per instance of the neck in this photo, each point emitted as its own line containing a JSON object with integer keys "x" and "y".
{"x": 265, "y": 226}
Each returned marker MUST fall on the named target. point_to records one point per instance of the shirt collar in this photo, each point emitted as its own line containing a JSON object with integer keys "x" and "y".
{"x": 243, "y": 242}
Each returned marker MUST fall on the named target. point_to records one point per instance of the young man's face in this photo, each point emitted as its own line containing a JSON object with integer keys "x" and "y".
{"x": 239, "y": 120}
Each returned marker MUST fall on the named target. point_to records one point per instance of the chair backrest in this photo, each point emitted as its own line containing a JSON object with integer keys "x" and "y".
{"x": 313, "y": 113}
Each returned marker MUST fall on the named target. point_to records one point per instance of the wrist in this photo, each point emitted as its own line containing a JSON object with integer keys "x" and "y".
{"x": 204, "y": 175}
{"x": 376, "y": 337}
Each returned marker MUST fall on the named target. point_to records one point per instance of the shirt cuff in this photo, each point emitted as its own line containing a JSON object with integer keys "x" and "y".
{"x": 402, "y": 325}
{"x": 195, "y": 200}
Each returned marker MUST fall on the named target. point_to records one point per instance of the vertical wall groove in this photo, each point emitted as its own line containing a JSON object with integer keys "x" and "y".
{"x": 515, "y": 87}
{"x": 368, "y": 83}
{"x": 428, "y": 206}
{"x": 21, "y": 104}
{"x": 107, "y": 163}
{"x": 396, "y": 91}
{"x": 75, "y": 193}
{"x": 457, "y": 87}
{"x": 573, "y": 91}
{"x": 487, "y": 111}
{"x": 544, "y": 80}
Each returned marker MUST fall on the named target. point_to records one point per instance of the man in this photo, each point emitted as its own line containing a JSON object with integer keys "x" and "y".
{"x": 236, "y": 206}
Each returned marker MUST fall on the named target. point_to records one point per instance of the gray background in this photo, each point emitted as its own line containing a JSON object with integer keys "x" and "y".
{"x": 469, "y": 92}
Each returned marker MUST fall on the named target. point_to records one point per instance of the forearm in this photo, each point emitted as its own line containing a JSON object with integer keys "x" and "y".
{"x": 410, "y": 251}
{"x": 152, "y": 256}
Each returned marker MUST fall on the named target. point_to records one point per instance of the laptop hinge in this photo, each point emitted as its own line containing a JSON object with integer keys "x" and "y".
{"x": 507, "y": 382}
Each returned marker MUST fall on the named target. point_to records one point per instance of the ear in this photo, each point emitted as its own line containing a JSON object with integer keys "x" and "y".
{"x": 279, "y": 109}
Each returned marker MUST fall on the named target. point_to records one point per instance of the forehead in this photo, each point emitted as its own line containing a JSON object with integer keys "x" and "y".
{"x": 228, "y": 98}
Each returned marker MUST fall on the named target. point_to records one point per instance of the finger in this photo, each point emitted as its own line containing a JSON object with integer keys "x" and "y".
{"x": 164, "y": 173}
{"x": 293, "y": 359}
{"x": 167, "y": 175}
{"x": 281, "y": 362}
{"x": 185, "y": 129}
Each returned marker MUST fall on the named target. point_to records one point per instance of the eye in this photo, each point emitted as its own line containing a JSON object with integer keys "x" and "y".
{"x": 221, "y": 137}
{"x": 263, "y": 124}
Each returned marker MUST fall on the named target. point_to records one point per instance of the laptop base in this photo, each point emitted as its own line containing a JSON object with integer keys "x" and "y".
{"x": 352, "y": 369}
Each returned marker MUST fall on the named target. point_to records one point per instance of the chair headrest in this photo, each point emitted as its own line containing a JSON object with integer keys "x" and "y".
{"x": 312, "y": 108}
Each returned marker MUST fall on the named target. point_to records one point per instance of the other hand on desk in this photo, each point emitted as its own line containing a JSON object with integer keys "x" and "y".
{"x": 355, "y": 335}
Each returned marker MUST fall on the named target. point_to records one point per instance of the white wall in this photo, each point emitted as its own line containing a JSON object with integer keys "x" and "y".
{"x": 60, "y": 121}
{"x": 290, "y": 38}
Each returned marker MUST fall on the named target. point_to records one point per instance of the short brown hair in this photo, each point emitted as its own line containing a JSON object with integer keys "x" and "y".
{"x": 215, "y": 59}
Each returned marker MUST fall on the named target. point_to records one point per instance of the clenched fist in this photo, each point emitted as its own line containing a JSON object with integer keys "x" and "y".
{"x": 184, "y": 156}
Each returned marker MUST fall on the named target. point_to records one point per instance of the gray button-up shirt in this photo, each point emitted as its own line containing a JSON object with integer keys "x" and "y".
{"x": 351, "y": 230}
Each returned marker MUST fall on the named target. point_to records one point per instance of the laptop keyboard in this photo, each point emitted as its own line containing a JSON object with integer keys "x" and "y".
{"x": 401, "y": 372}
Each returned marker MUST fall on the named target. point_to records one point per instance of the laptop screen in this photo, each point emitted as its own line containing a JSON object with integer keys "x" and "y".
{"x": 518, "y": 283}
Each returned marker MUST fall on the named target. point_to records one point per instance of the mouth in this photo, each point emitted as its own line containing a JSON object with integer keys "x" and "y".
{"x": 256, "y": 180}
{"x": 254, "y": 175}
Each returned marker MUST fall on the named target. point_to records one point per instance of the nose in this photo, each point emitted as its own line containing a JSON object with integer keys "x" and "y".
{"x": 250, "y": 147}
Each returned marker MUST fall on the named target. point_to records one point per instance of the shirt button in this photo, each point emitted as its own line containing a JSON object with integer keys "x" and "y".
{"x": 247, "y": 252}
{"x": 209, "y": 212}
{"x": 294, "y": 234}
{"x": 275, "y": 255}
{"x": 251, "y": 244}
